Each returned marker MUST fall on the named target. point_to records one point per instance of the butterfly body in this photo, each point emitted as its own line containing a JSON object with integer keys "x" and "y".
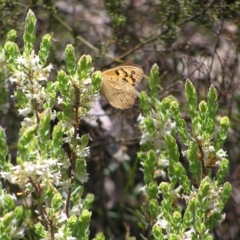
{"x": 118, "y": 85}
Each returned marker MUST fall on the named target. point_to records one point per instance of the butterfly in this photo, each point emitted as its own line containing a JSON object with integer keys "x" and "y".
{"x": 118, "y": 85}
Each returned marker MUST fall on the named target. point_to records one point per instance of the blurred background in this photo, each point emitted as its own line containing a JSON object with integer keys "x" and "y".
{"x": 199, "y": 40}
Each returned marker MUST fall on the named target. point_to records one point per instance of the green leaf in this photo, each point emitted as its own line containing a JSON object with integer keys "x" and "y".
{"x": 29, "y": 36}
{"x": 72, "y": 223}
{"x": 21, "y": 97}
{"x": 40, "y": 230}
{"x": 6, "y": 222}
{"x": 84, "y": 67}
{"x": 185, "y": 182}
{"x": 80, "y": 171}
{"x": 11, "y": 36}
{"x": 165, "y": 188}
{"x": 149, "y": 124}
{"x": 11, "y": 54}
{"x": 212, "y": 109}
{"x": 189, "y": 215}
{"x": 70, "y": 59}
{"x": 149, "y": 166}
{"x": 222, "y": 171}
{"x": 8, "y": 203}
{"x": 172, "y": 148}
{"x": 173, "y": 236}
{"x": 99, "y": 236}
{"x": 194, "y": 163}
{"x": 226, "y": 192}
{"x": 197, "y": 225}
{"x": 152, "y": 190}
{"x": 57, "y": 202}
{"x": 191, "y": 98}
{"x": 222, "y": 133}
{"x": 204, "y": 187}
{"x": 44, "y": 49}
{"x": 176, "y": 221}
{"x": 63, "y": 83}
{"x": 44, "y": 128}
{"x": 180, "y": 123}
{"x": 157, "y": 232}
{"x": 144, "y": 104}
{"x": 96, "y": 80}
{"x": 213, "y": 220}
{"x": 77, "y": 192}
{"x": 18, "y": 213}
{"x": 82, "y": 232}
{"x": 203, "y": 108}
{"x": 26, "y": 141}
{"x": 166, "y": 104}
{"x": 51, "y": 91}
{"x": 4, "y": 148}
{"x": 154, "y": 209}
{"x": 57, "y": 141}
{"x": 85, "y": 140}
{"x": 88, "y": 201}
{"x": 154, "y": 80}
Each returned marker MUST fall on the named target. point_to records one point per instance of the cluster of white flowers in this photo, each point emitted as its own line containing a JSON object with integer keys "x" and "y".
{"x": 28, "y": 77}
{"x": 27, "y": 174}
{"x": 162, "y": 126}
{"x": 163, "y": 223}
{"x": 30, "y": 68}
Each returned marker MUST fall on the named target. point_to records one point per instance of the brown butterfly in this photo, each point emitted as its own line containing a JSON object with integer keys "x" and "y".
{"x": 118, "y": 85}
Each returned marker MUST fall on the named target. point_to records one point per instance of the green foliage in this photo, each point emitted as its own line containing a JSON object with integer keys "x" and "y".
{"x": 115, "y": 9}
{"x": 53, "y": 178}
{"x": 99, "y": 236}
{"x": 11, "y": 36}
{"x": 4, "y": 106}
{"x": 204, "y": 196}
{"x": 44, "y": 49}
{"x": 154, "y": 81}
{"x": 4, "y": 149}
{"x": 29, "y": 36}
{"x": 41, "y": 171}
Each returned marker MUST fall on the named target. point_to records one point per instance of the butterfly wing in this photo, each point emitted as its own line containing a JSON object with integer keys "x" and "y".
{"x": 119, "y": 93}
{"x": 131, "y": 73}
{"x": 118, "y": 85}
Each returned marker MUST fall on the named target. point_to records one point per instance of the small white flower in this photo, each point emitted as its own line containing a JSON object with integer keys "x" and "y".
{"x": 49, "y": 68}
{"x": 13, "y": 79}
{"x": 172, "y": 125}
{"x": 184, "y": 153}
{"x": 87, "y": 81}
{"x": 221, "y": 154}
{"x": 199, "y": 138}
{"x": 53, "y": 115}
{"x": 21, "y": 60}
{"x": 211, "y": 149}
{"x": 142, "y": 189}
{"x": 67, "y": 139}
{"x": 163, "y": 223}
{"x": 25, "y": 111}
{"x": 188, "y": 234}
{"x": 71, "y": 238}
{"x": 4, "y": 175}
{"x": 59, "y": 235}
{"x": 59, "y": 100}
{"x": 27, "y": 122}
{"x": 163, "y": 162}
{"x": 35, "y": 60}
{"x": 41, "y": 77}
